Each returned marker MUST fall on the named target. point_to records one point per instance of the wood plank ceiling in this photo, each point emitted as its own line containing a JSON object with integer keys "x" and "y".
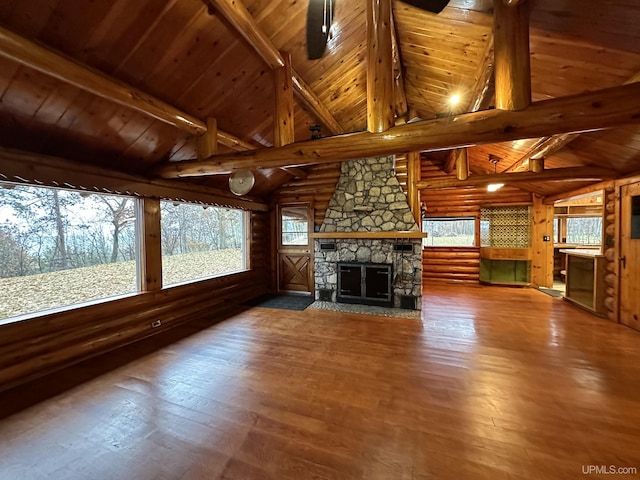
{"x": 194, "y": 59}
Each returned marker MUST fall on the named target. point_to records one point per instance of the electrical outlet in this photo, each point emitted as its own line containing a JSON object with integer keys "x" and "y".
{"x": 546, "y": 238}
{"x": 156, "y": 324}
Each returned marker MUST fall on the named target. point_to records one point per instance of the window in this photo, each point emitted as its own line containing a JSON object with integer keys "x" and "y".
{"x": 60, "y": 247}
{"x": 449, "y": 232}
{"x": 200, "y": 241}
{"x": 584, "y": 230}
{"x": 294, "y": 226}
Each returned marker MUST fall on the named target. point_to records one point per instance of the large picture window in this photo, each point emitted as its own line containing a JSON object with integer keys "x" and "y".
{"x": 60, "y": 248}
{"x": 200, "y": 241}
{"x": 449, "y": 231}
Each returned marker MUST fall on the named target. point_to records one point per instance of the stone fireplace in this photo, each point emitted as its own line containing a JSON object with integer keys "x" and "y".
{"x": 369, "y": 222}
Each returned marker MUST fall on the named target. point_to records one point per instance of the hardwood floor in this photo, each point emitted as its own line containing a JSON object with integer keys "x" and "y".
{"x": 493, "y": 383}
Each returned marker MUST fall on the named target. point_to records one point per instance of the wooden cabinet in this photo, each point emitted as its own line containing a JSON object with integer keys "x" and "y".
{"x": 585, "y": 279}
{"x": 505, "y": 266}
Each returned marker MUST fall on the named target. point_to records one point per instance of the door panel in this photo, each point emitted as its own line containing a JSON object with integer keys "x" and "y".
{"x": 630, "y": 256}
{"x": 295, "y": 263}
{"x": 294, "y": 272}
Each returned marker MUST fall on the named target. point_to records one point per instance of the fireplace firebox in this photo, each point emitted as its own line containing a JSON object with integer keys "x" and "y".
{"x": 365, "y": 283}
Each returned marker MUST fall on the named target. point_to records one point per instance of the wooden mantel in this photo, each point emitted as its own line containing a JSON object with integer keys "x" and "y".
{"x": 404, "y": 234}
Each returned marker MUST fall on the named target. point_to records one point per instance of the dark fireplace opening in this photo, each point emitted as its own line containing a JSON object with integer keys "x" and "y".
{"x": 365, "y": 283}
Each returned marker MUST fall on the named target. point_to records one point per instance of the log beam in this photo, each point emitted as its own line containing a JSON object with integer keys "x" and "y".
{"x": 512, "y": 59}
{"x": 239, "y": 17}
{"x": 283, "y": 126}
{"x": 482, "y": 90}
{"x": 314, "y": 105}
{"x": 450, "y": 163}
{"x": 462, "y": 163}
{"x": 536, "y": 165}
{"x": 380, "y": 102}
{"x": 47, "y": 61}
{"x": 550, "y": 175}
{"x": 578, "y": 113}
{"x": 208, "y": 142}
{"x": 413, "y": 177}
{"x": 54, "y": 64}
{"x": 401, "y": 106}
{"x": 547, "y": 146}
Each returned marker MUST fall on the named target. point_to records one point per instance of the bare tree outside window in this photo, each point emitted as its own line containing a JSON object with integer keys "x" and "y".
{"x": 200, "y": 241}
{"x": 60, "y": 247}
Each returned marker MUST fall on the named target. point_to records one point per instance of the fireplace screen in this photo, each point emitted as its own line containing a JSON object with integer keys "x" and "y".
{"x": 366, "y": 283}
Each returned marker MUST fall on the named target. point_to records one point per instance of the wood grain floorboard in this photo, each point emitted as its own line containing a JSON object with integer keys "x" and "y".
{"x": 491, "y": 383}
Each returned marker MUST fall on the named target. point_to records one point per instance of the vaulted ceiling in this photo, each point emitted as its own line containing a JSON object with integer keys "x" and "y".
{"x": 188, "y": 55}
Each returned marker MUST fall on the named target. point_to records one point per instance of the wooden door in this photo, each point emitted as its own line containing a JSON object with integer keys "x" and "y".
{"x": 295, "y": 262}
{"x": 630, "y": 256}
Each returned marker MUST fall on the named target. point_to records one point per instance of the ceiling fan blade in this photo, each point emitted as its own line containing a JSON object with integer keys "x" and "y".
{"x": 433, "y": 6}
{"x": 319, "y": 19}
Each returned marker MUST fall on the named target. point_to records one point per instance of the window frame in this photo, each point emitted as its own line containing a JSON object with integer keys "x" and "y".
{"x": 137, "y": 252}
{"x": 473, "y": 218}
{"x": 244, "y": 248}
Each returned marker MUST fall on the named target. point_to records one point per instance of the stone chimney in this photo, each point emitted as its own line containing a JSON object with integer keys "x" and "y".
{"x": 368, "y": 198}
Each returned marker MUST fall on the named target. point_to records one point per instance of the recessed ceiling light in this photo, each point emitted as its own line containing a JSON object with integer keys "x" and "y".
{"x": 454, "y": 99}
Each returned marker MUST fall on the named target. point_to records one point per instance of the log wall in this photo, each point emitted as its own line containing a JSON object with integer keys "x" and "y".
{"x": 39, "y": 345}
{"x": 459, "y": 264}
{"x": 611, "y": 298}
{"x": 317, "y": 189}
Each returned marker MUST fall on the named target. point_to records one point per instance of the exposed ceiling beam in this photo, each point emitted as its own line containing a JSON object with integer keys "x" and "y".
{"x": 40, "y": 58}
{"x": 31, "y": 168}
{"x": 283, "y": 121}
{"x": 543, "y": 148}
{"x": 296, "y": 172}
{"x": 551, "y": 199}
{"x": 401, "y": 106}
{"x": 314, "y": 105}
{"x": 380, "y": 100}
{"x": 450, "y": 163}
{"x": 512, "y": 59}
{"x": 547, "y": 146}
{"x": 550, "y": 175}
{"x": 239, "y": 17}
{"x": 482, "y": 91}
{"x": 577, "y": 113}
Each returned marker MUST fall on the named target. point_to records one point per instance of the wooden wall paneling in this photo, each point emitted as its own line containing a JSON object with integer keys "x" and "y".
{"x": 442, "y": 264}
{"x": 31, "y": 348}
{"x": 317, "y": 189}
{"x": 401, "y": 166}
{"x": 541, "y": 250}
{"x": 460, "y": 264}
{"x": 66, "y": 30}
{"x": 612, "y": 235}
